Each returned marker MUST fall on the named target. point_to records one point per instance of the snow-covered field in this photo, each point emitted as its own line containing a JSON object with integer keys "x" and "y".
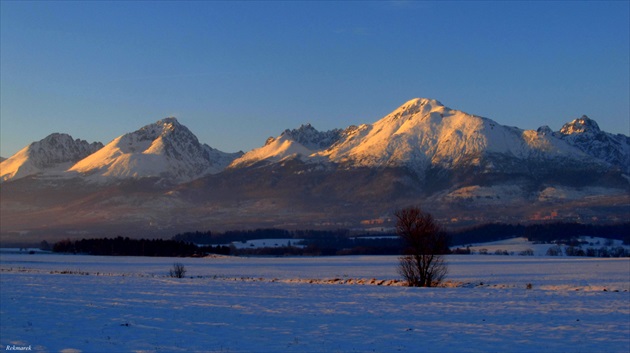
{"x": 73, "y": 303}
{"x": 514, "y": 246}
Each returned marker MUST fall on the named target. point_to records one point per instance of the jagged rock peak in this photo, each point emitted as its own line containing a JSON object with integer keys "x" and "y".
{"x": 54, "y": 153}
{"x": 161, "y": 127}
{"x": 310, "y": 137}
{"x": 544, "y": 130}
{"x": 305, "y": 130}
{"x": 60, "y": 148}
{"x": 269, "y": 140}
{"x": 168, "y": 123}
{"x": 584, "y": 133}
{"x": 579, "y": 126}
{"x": 166, "y": 136}
{"x": 58, "y": 139}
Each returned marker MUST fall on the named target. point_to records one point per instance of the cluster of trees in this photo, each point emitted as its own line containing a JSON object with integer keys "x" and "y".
{"x": 543, "y": 233}
{"x": 486, "y": 233}
{"x": 120, "y": 246}
{"x": 209, "y": 237}
{"x": 604, "y": 251}
{"x": 550, "y": 232}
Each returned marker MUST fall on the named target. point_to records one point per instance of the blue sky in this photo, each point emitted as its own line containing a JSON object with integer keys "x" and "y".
{"x": 236, "y": 73}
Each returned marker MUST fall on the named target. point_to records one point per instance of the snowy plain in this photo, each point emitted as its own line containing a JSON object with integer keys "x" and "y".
{"x": 517, "y": 245}
{"x": 73, "y": 303}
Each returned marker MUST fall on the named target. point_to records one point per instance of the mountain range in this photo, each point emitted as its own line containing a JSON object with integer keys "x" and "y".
{"x": 464, "y": 168}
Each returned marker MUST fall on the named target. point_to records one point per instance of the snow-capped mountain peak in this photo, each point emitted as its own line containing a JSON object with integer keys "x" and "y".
{"x": 579, "y": 126}
{"x": 464, "y": 165}
{"x": 304, "y": 142}
{"x": 413, "y": 107}
{"x": 164, "y": 149}
{"x": 585, "y": 134}
{"x": 420, "y": 132}
{"x": 59, "y": 148}
{"x": 155, "y": 138}
{"x": 55, "y": 153}
{"x": 423, "y": 133}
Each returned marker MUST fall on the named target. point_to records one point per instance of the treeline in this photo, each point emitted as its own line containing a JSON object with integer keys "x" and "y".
{"x": 329, "y": 247}
{"x": 312, "y": 242}
{"x": 604, "y": 251}
{"x": 335, "y": 242}
{"x": 486, "y": 233}
{"x": 540, "y": 233}
{"x": 546, "y": 233}
{"x": 209, "y": 237}
{"x": 120, "y": 246}
{"x": 345, "y": 242}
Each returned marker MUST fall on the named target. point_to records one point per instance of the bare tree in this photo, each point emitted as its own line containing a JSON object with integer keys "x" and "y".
{"x": 178, "y": 270}
{"x": 422, "y": 264}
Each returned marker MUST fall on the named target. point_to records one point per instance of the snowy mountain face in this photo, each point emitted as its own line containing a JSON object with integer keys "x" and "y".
{"x": 423, "y": 134}
{"x": 165, "y": 149}
{"x": 303, "y": 143}
{"x": 420, "y": 135}
{"x": 584, "y": 133}
{"x": 54, "y": 153}
{"x": 426, "y": 152}
{"x": 461, "y": 166}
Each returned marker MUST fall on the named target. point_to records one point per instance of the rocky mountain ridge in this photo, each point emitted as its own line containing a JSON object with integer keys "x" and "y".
{"x": 463, "y": 168}
{"x": 53, "y": 154}
{"x": 164, "y": 149}
{"x": 421, "y": 134}
{"x": 424, "y": 134}
{"x": 584, "y": 133}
